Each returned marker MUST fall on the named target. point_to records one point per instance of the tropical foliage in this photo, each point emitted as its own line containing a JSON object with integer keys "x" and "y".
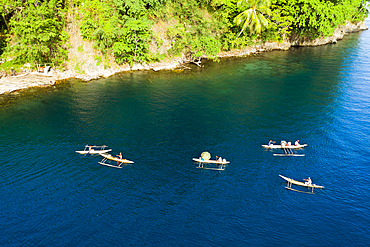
{"x": 119, "y": 28}
{"x": 316, "y": 18}
{"x": 133, "y": 42}
{"x": 35, "y": 30}
{"x": 254, "y": 16}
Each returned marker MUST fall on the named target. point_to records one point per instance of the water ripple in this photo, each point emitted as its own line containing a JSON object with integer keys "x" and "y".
{"x": 54, "y": 196}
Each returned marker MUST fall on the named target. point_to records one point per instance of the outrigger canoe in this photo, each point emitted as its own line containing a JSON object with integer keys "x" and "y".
{"x": 284, "y": 146}
{"x": 110, "y": 157}
{"x": 292, "y": 181}
{"x": 211, "y": 161}
{"x": 101, "y": 150}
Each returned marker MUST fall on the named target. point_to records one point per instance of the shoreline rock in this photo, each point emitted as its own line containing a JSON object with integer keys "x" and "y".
{"x": 10, "y": 84}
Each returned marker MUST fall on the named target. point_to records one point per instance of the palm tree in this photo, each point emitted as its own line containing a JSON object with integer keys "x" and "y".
{"x": 253, "y": 16}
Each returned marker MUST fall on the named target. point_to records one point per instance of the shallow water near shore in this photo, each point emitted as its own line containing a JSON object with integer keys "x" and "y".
{"x": 52, "y": 196}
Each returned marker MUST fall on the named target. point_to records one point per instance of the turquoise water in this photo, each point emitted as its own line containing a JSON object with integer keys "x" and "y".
{"x": 52, "y": 196}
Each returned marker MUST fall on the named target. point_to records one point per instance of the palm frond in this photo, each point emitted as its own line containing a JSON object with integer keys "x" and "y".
{"x": 253, "y": 16}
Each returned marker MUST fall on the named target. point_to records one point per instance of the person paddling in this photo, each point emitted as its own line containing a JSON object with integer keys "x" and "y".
{"x": 91, "y": 148}
{"x": 119, "y": 156}
{"x": 309, "y": 181}
{"x": 271, "y": 143}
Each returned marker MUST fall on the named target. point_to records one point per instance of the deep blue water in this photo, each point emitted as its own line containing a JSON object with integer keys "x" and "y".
{"x": 52, "y": 196}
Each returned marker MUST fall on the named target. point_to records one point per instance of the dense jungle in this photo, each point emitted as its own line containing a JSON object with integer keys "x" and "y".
{"x": 142, "y": 31}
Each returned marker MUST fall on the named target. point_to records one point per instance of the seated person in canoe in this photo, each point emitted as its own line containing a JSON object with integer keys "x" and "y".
{"x": 271, "y": 142}
{"x": 119, "y": 157}
{"x": 308, "y": 181}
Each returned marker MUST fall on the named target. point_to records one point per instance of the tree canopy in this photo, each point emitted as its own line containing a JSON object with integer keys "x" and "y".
{"x": 36, "y": 30}
{"x": 254, "y": 15}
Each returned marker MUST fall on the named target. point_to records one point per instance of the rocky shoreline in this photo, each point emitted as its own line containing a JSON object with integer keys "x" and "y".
{"x": 14, "y": 83}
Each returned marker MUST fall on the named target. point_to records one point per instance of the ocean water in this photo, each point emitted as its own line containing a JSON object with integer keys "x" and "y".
{"x": 52, "y": 196}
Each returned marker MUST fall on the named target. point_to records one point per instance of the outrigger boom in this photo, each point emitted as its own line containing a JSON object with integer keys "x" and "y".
{"x": 219, "y": 168}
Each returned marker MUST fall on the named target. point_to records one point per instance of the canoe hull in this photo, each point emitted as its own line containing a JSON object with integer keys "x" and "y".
{"x": 110, "y": 157}
{"x": 292, "y": 181}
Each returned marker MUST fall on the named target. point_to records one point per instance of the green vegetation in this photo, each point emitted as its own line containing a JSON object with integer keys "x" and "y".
{"x": 34, "y": 31}
{"x": 255, "y": 15}
{"x": 315, "y": 18}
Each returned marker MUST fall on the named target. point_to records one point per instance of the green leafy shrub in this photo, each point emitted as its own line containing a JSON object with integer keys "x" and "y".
{"x": 2, "y": 45}
{"x": 107, "y": 34}
{"x": 37, "y": 33}
{"x": 98, "y": 60}
{"x": 133, "y": 43}
{"x": 80, "y": 48}
{"x": 315, "y": 18}
{"x": 138, "y": 8}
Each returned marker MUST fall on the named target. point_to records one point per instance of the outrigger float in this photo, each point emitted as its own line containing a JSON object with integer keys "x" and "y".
{"x": 119, "y": 161}
{"x": 292, "y": 181}
{"x": 221, "y": 166}
{"x": 288, "y": 152}
{"x": 94, "y": 150}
